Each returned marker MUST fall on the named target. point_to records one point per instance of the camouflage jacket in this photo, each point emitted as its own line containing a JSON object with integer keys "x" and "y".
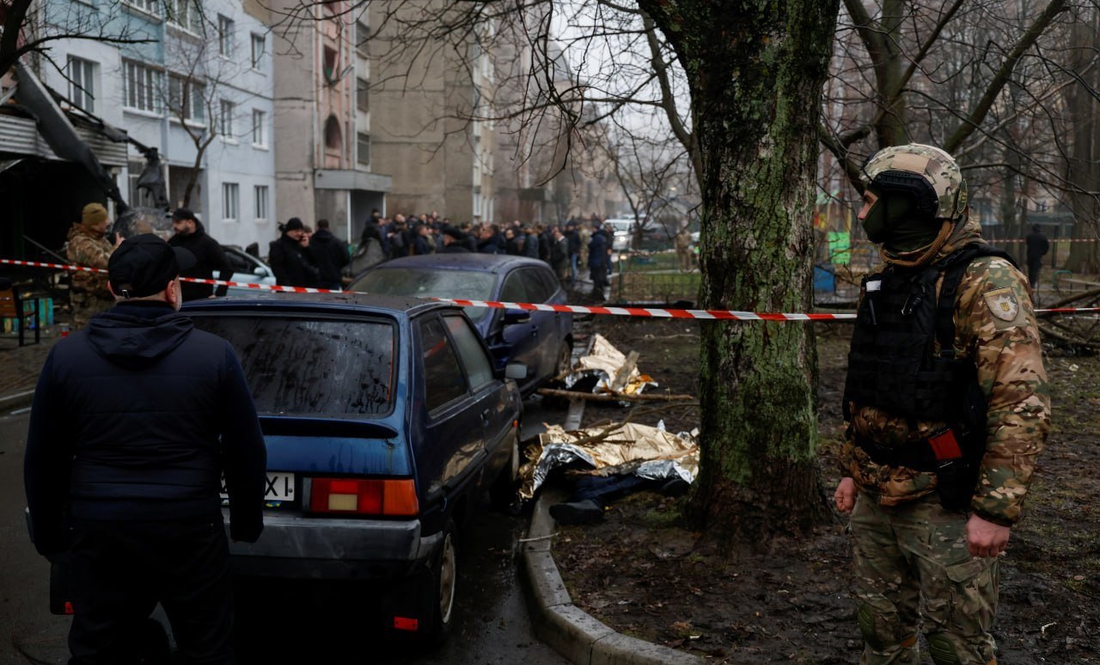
{"x": 995, "y": 326}
{"x": 89, "y": 249}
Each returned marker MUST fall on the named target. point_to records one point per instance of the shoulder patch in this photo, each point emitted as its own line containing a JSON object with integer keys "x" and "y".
{"x": 1002, "y": 303}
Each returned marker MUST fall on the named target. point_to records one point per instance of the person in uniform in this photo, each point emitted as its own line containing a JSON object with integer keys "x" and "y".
{"x": 88, "y": 246}
{"x": 947, "y": 409}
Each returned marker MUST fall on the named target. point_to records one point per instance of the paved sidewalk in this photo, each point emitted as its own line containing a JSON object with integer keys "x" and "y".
{"x": 20, "y": 366}
{"x": 559, "y": 623}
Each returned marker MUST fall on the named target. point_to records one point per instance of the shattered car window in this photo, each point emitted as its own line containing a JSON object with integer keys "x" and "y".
{"x": 430, "y": 283}
{"x": 309, "y": 366}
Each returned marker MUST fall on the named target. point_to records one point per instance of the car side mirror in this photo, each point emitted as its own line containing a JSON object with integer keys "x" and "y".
{"x": 515, "y": 371}
{"x": 259, "y": 271}
{"x": 514, "y": 316}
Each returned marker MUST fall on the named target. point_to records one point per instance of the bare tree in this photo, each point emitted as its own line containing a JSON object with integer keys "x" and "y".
{"x": 30, "y": 28}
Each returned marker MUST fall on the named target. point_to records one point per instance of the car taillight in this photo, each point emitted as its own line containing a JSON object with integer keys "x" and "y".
{"x": 391, "y": 498}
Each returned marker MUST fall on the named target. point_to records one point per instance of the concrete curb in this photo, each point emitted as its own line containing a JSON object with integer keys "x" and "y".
{"x": 14, "y": 401}
{"x": 559, "y": 623}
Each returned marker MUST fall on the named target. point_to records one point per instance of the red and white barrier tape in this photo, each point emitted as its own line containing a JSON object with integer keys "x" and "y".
{"x": 698, "y": 314}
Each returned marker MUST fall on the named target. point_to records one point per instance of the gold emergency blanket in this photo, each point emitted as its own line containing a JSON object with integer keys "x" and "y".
{"x": 629, "y": 448}
{"x": 604, "y": 362}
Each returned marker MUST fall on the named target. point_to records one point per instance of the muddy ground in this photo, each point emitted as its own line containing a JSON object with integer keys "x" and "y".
{"x": 643, "y": 574}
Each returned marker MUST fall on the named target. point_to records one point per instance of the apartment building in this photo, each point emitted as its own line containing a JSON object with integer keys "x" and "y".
{"x": 322, "y": 116}
{"x": 197, "y": 86}
{"x": 430, "y": 114}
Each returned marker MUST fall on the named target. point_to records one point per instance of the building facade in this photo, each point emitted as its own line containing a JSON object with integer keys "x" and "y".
{"x": 324, "y": 158}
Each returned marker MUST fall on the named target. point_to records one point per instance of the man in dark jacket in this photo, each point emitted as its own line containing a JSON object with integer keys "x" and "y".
{"x": 135, "y": 421}
{"x": 598, "y": 261}
{"x": 1037, "y": 248}
{"x": 454, "y": 241}
{"x": 330, "y": 255}
{"x": 288, "y": 259}
{"x": 209, "y": 256}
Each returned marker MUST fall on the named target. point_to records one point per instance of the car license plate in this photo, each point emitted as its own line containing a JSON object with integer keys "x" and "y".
{"x": 280, "y": 489}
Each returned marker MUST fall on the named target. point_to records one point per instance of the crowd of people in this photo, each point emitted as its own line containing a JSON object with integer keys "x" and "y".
{"x": 302, "y": 258}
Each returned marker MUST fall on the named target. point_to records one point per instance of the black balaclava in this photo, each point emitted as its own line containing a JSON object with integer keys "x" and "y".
{"x": 892, "y": 221}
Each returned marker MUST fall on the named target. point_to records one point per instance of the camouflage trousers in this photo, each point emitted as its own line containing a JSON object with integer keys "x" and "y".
{"x": 87, "y": 305}
{"x": 910, "y": 558}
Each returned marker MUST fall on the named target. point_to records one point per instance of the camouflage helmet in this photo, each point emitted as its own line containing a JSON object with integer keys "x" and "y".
{"x": 925, "y": 171}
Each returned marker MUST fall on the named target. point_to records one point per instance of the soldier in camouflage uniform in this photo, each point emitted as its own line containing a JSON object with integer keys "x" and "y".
{"x": 88, "y": 246}
{"x": 948, "y": 409}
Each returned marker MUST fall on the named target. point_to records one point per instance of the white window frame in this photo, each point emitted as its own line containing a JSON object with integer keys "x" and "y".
{"x": 227, "y": 121}
{"x": 82, "y": 83}
{"x": 141, "y": 86}
{"x": 185, "y": 14}
{"x": 258, "y": 53}
{"x": 260, "y": 198}
{"x": 226, "y": 28}
{"x": 193, "y": 99}
{"x": 259, "y": 128}
{"x": 231, "y": 202}
{"x": 147, "y": 6}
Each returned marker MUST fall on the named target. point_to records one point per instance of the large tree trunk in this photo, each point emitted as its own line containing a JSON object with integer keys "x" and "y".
{"x": 755, "y": 71}
{"x": 1082, "y": 170}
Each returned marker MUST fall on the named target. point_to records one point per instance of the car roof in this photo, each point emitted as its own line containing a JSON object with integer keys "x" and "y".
{"x": 465, "y": 261}
{"x": 360, "y": 303}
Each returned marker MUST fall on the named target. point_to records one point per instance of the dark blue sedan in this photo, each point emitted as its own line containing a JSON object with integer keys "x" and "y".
{"x": 541, "y": 340}
{"x": 385, "y": 421}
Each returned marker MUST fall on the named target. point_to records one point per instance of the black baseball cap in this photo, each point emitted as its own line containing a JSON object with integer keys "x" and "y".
{"x": 145, "y": 264}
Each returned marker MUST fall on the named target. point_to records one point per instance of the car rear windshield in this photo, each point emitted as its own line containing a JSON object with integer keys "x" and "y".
{"x": 312, "y": 366}
{"x": 431, "y": 283}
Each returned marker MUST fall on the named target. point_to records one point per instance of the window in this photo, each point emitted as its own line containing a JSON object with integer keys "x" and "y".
{"x": 260, "y": 202}
{"x": 259, "y": 128}
{"x": 149, "y": 6}
{"x": 259, "y": 45}
{"x": 225, "y": 36}
{"x": 226, "y": 129}
{"x": 362, "y": 35}
{"x": 362, "y": 148}
{"x": 186, "y": 14}
{"x": 333, "y": 138}
{"x": 332, "y": 63}
{"x": 469, "y": 348}
{"x": 362, "y": 94}
{"x": 313, "y": 366}
{"x": 141, "y": 86}
{"x": 186, "y": 99}
{"x": 443, "y": 380}
{"x": 82, "y": 83}
{"x": 515, "y": 288}
{"x": 231, "y": 201}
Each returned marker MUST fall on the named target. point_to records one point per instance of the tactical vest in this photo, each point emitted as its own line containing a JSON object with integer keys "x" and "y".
{"x": 893, "y": 363}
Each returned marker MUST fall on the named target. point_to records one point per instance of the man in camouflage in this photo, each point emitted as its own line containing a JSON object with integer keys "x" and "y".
{"x": 88, "y": 246}
{"x": 969, "y": 440}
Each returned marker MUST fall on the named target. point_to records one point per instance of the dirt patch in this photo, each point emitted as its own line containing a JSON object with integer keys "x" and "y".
{"x": 644, "y": 575}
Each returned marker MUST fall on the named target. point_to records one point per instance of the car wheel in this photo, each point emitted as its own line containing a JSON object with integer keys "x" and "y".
{"x": 442, "y": 590}
{"x": 503, "y": 491}
{"x": 565, "y": 360}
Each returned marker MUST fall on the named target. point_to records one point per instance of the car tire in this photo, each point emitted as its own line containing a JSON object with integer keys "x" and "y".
{"x": 502, "y": 493}
{"x": 443, "y": 588}
{"x": 565, "y": 359}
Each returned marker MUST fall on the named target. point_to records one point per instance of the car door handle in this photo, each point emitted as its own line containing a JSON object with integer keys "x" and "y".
{"x": 485, "y": 415}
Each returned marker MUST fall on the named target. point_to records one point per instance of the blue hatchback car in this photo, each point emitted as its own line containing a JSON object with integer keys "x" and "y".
{"x": 385, "y": 421}
{"x": 543, "y": 341}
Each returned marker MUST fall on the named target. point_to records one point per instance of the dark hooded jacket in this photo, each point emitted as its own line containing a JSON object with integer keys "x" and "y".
{"x": 136, "y": 418}
{"x": 209, "y": 260}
